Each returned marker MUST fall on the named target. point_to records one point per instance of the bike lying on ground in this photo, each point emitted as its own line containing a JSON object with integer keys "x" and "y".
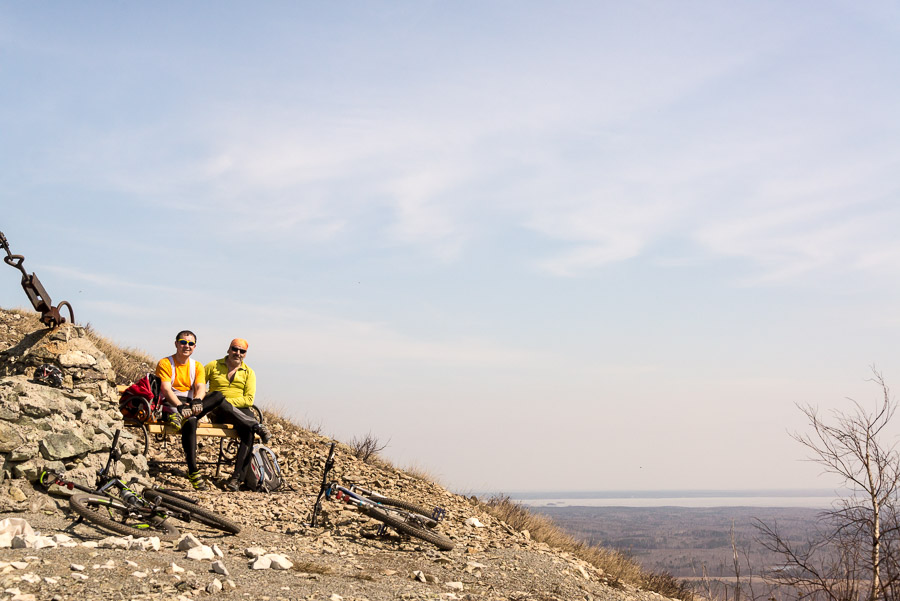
{"x": 115, "y": 504}
{"x": 406, "y": 518}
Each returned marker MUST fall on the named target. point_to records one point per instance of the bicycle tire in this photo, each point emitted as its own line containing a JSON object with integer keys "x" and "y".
{"x": 144, "y": 439}
{"x": 98, "y": 509}
{"x": 204, "y": 516}
{"x": 429, "y": 521}
{"x": 389, "y": 517}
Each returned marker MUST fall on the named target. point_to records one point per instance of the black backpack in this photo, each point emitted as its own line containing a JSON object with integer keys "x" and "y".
{"x": 263, "y": 473}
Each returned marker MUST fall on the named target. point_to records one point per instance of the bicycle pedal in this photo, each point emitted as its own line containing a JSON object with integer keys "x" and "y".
{"x": 438, "y": 514}
{"x": 382, "y": 530}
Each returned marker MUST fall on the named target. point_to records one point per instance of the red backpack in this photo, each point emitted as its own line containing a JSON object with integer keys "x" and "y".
{"x": 141, "y": 401}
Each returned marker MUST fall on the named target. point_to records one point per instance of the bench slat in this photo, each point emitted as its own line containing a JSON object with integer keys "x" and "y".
{"x": 220, "y": 430}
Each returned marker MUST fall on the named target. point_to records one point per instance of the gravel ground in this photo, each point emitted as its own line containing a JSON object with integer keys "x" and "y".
{"x": 326, "y": 566}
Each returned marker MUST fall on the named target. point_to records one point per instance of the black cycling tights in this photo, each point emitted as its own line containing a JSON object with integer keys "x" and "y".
{"x": 244, "y": 423}
{"x": 189, "y": 429}
{"x": 225, "y": 413}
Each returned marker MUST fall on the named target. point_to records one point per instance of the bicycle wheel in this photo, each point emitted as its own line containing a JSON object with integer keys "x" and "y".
{"x": 397, "y": 520}
{"x": 200, "y": 514}
{"x": 143, "y": 439}
{"x": 114, "y": 515}
{"x": 425, "y": 515}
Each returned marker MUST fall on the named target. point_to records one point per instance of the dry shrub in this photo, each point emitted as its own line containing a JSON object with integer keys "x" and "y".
{"x": 618, "y": 567}
{"x": 367, "y": 447}
{"x": 130, "y": 364}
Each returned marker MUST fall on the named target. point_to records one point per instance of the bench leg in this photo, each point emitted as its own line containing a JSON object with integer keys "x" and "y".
{"x": 221, "y": 456}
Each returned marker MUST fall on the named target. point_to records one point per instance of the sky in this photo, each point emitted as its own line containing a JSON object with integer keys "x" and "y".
{"x": 527, "y": 245}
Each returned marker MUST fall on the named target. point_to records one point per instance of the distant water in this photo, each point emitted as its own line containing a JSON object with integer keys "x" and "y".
{"x": 816, "y": 498}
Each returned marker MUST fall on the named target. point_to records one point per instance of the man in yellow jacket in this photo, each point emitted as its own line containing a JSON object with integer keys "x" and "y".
{"x": 236, "y": 381}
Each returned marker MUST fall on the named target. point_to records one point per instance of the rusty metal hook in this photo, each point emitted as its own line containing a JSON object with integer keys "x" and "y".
{"x": 38, "y": 296}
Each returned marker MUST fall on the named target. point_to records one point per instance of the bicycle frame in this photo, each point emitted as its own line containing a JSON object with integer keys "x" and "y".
{"x": 115, "y": 488}
{"x": 357, "y": 495}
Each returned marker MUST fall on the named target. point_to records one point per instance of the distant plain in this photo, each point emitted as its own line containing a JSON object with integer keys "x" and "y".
{"x": 685, "y": 533}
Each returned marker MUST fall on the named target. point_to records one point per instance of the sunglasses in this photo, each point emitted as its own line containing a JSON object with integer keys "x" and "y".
{"x": 235, "y": 349}
{"x": 186, "y": 343}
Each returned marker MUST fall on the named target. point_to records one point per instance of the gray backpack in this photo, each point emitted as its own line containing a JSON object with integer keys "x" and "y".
{"x": 263, "y": 473}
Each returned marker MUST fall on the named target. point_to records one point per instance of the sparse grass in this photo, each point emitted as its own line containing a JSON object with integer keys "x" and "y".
{"x": 279, "y": 413}
{"x": 618, "y": 567}
{"x": 30, "y": 314}
{"x": 309, "y": 567}
{"x": 130, "y": 364}
{"x": 417, "y": 471}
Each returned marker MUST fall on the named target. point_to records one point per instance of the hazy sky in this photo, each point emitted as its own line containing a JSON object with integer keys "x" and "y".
{"x": 532, "y": 245}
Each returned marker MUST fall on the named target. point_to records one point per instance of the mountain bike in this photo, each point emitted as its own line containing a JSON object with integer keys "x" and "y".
{"x": 405, "y": 518}
{"x": 116, "y": 505}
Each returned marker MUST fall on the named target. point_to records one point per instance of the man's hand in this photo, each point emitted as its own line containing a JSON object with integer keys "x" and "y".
{"x": 196, "y": 407}
{"x": 185, "y": 410}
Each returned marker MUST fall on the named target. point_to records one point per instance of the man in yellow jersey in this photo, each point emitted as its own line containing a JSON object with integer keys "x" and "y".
{"x": 236, "y": 381}
{"x": 182, "y": 386}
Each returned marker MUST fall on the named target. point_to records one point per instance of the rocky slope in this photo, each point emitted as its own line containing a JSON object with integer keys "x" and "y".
{"x": 343, "y": 558}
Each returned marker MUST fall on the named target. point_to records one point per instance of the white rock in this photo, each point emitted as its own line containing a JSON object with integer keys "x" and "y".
{"x": 474, "y": 522}
{"x": 214, "y": 587}
{"x": 335, "y": 597}
{"x": 5, "y": 540}
{"x": 15, "y": 526}
{"x": 261, "y": 563}
{"x": 44, "y": 542}
{"x": 456, "y": 586}
{"x": 60, "y": 538}
{"x": 218, "y": 552}
{"x": 201, "y": 553}
{"x": 114, "y": 542}
{"x": 90, "y": 544}
{"x": 219, "y": 568}
{"x": 31, "y": 578}
{"x": 254, "y": 552}
{"x": 139, "y": 574}
{"x": 79, "y": 576}
{"x": 19, "y": 565}
{"x": 419, "y": 575}
{"x": 175, "y": 568}
{"x": 76, "y": 567}
{"x": 187, "y": 541}
{"x": 150, "y": 543}
{"x": 279, "y": 562}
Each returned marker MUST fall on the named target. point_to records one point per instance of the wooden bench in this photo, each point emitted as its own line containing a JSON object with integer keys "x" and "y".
{"x": 161, "y": 432}
{"x": 226, "y": 433}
